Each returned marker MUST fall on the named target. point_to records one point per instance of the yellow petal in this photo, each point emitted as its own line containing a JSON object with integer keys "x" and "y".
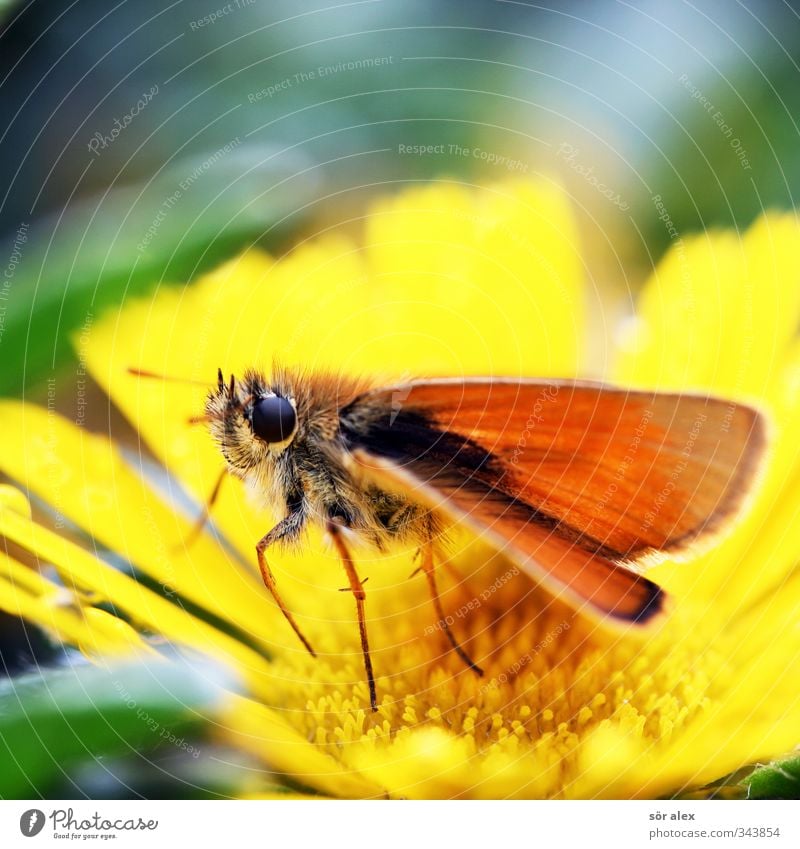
{"x": 718, "y": 312}
{"x": 146, "y": 608}
{"x": 87, "y": 482}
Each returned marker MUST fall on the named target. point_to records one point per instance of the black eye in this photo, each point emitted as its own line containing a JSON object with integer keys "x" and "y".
{"x": 273, "y": 419}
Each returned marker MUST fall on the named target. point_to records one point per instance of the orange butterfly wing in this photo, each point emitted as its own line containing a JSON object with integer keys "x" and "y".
{"x": 577, "y": 481}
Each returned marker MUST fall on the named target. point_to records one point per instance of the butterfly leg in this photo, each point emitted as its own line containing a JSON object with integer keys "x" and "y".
{"x": 428, "y": 567}
{"x": 357, "y": 588}
{"x": 288, "y": 527}
{"x": 202, "y": 519}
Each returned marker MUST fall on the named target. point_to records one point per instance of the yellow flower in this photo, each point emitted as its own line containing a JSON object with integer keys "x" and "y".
{"x": 442, "y": 280}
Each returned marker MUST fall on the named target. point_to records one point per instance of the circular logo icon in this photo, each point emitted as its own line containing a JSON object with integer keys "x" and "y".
{"x": 31, "y": 822}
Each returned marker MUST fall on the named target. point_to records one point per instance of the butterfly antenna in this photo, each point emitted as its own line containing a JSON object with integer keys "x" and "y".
{"x": 140, "y": 372}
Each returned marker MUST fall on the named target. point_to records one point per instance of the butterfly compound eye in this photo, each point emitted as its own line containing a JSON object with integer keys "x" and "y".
{"x": 274, "y": 419}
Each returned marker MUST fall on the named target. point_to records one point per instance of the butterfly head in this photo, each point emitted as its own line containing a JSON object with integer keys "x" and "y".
{"x": 251, "y": 420}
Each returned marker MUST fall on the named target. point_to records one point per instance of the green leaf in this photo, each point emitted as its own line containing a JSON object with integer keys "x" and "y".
{"x": 777, "y": 780}
{"x": 54, "y": 721}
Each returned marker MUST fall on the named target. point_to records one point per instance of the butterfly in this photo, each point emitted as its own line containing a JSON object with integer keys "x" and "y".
{"x": 582, "y": 485}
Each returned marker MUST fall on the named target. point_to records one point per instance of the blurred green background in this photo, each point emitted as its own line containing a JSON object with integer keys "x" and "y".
{"x": 282, "y": 113}
{"x": 141, "y": 143}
